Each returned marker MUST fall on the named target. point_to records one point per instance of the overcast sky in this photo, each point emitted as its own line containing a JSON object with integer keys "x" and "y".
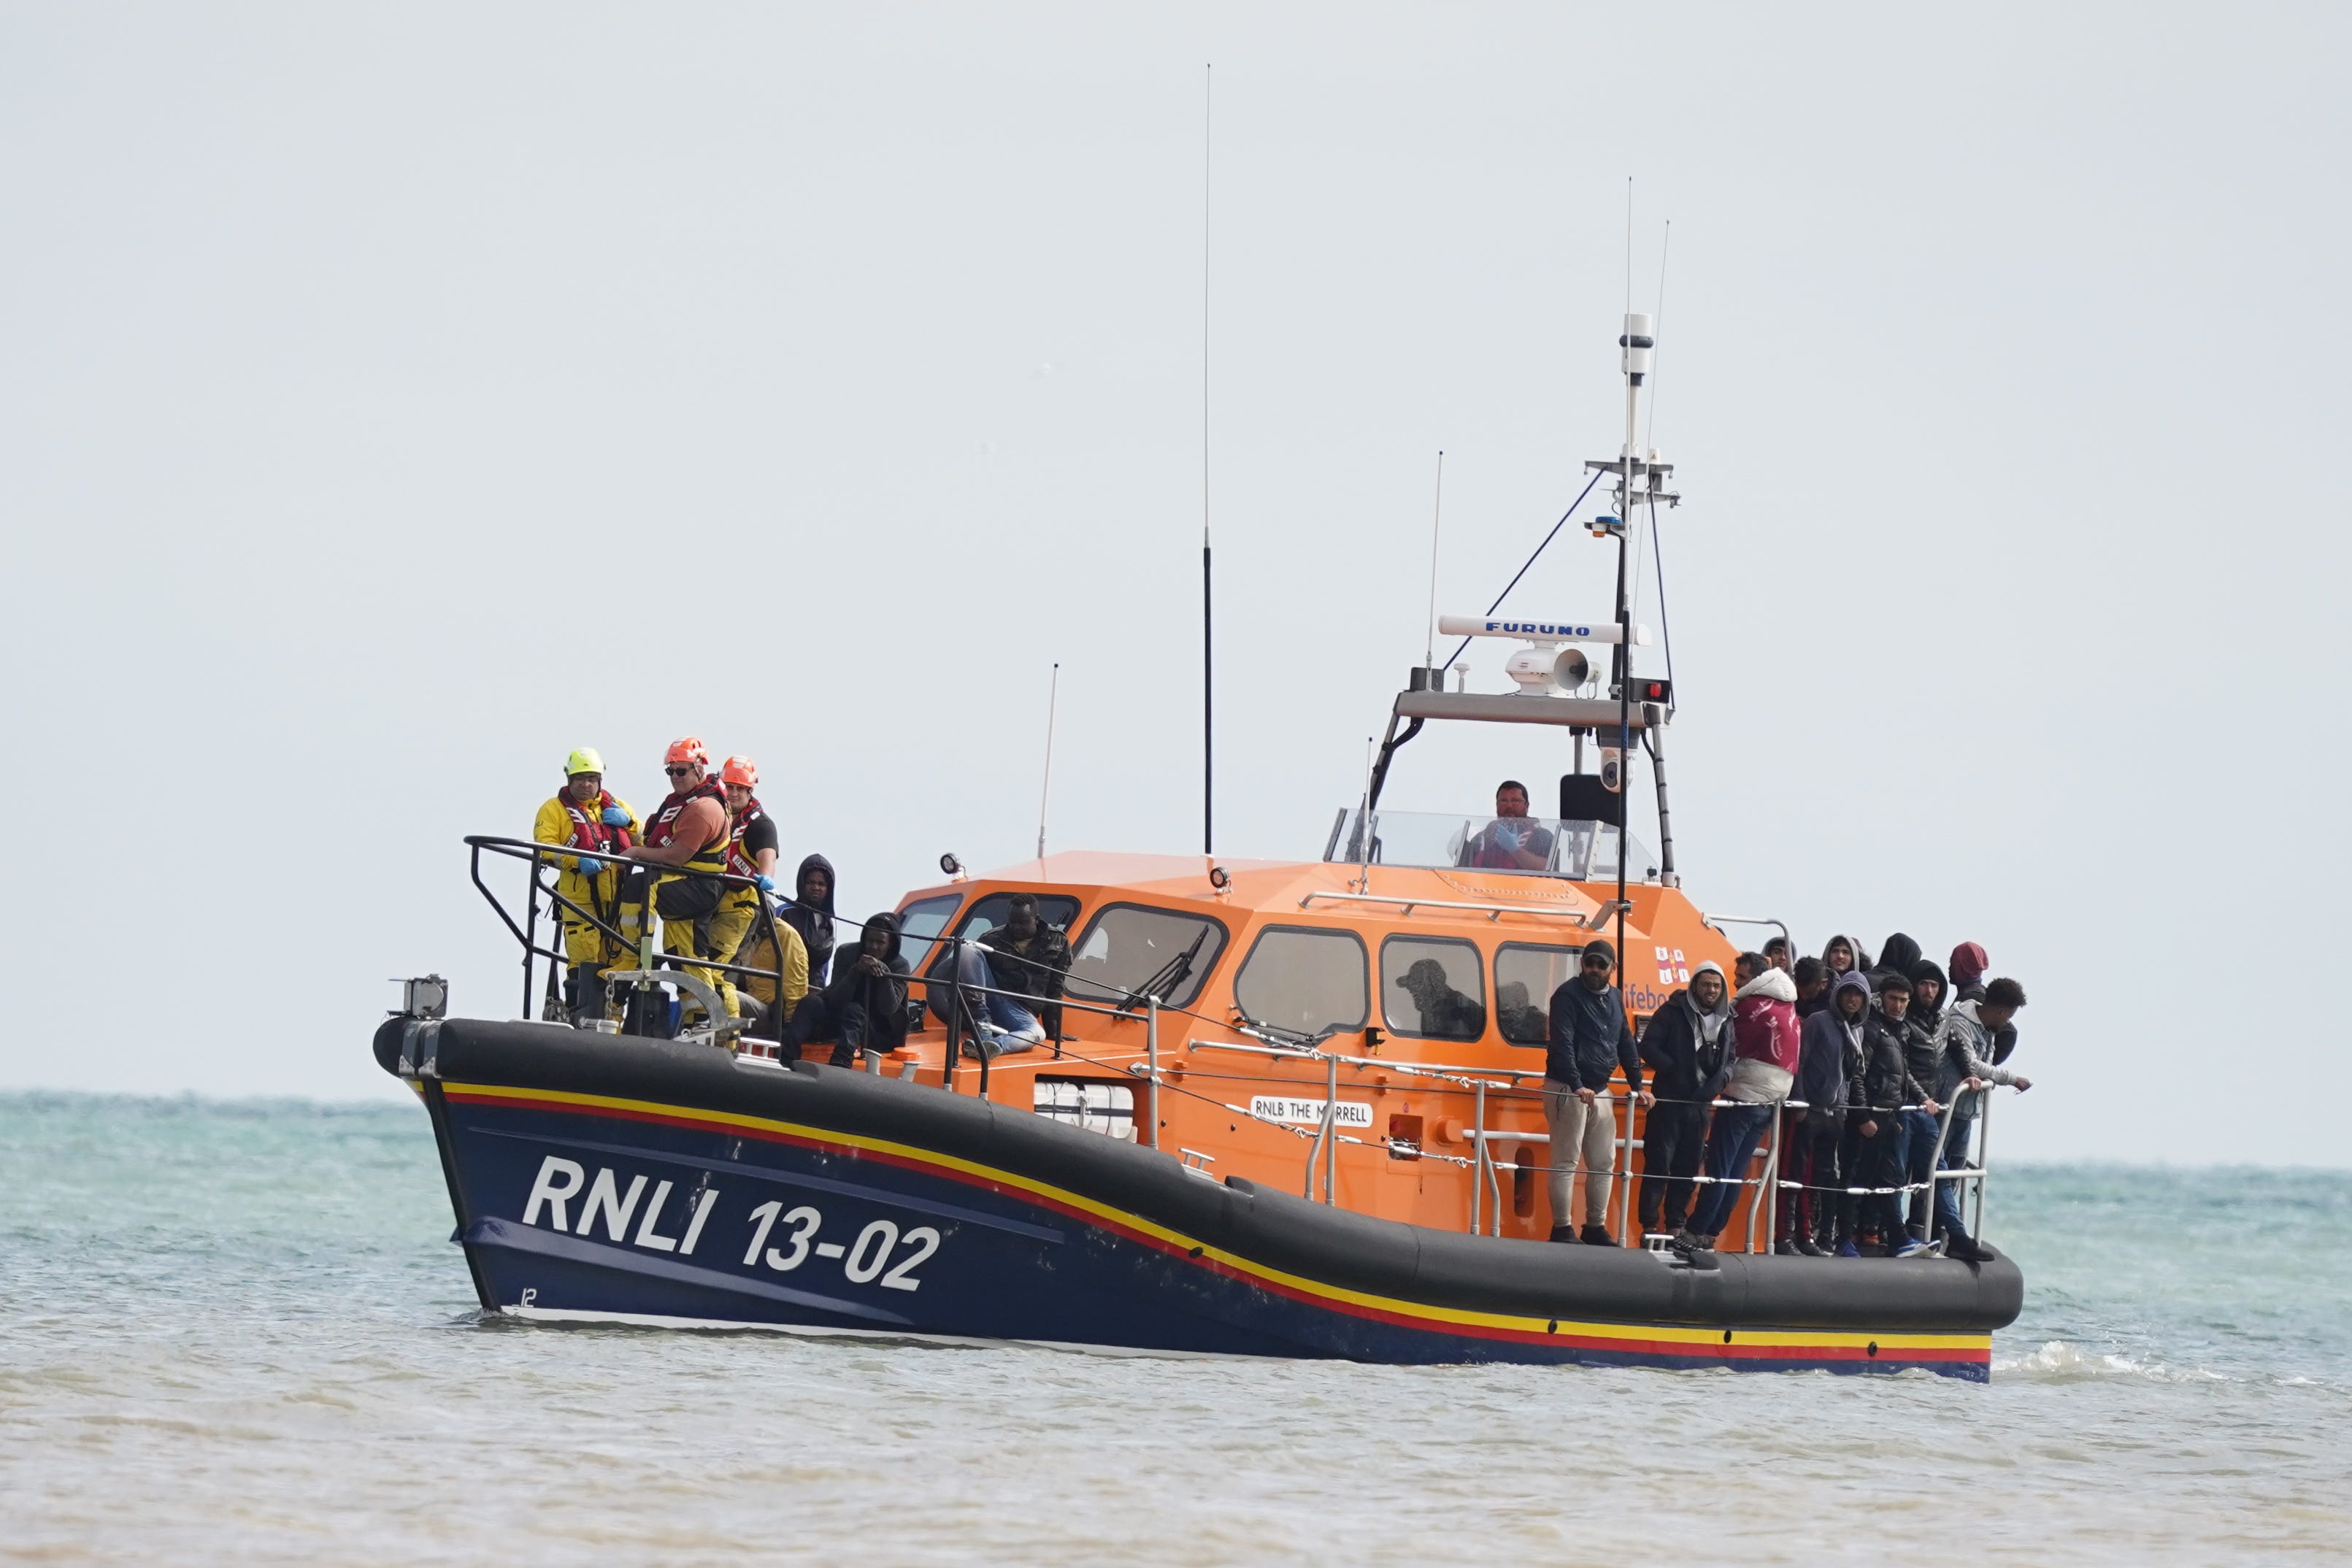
{"x": 393, "y": 398}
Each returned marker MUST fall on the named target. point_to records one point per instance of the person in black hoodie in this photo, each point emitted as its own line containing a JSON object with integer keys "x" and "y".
{"x": 1897, "y": 957}
{"x": 1875, "y": 1148}
{"x": 1830, "y": 1055}
{"x": 810, "y": 913}
{"x": 1684, "y": 1044}
{"x": 863, "y": 1007}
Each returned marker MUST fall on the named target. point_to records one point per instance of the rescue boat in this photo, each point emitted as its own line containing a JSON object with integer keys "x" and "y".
{"x": 1250, "y": 1134}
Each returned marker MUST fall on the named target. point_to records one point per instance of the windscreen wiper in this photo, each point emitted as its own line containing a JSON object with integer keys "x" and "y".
{"x": 1168, "y": 975}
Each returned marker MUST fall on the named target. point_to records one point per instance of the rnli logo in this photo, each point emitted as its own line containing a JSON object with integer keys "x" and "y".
{"x": 1672, "y": 969}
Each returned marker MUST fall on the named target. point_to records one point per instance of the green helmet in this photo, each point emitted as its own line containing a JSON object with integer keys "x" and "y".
{"x": 584, "y": 761}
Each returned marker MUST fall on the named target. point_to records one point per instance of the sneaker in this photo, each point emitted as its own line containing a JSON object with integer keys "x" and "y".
{"x": 1596, "y": 1235}
{"x": 1848, "y": 1249}
{"x": 1784, "y": 1248}
{"x": 1965, "y": 1249}
{"x": 1805, "y": 1248}
{"x": 1914, "y": 1247}
{"x": 1564, "y": 1233}
{"x": 1688, "y": 1242}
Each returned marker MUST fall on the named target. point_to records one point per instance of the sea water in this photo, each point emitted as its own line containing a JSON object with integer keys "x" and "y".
{"x": 239, "y": 1334}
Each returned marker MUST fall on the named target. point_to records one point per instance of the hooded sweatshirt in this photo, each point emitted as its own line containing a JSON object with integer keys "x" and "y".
{"x": 884, "y": 997}
{"x": 1861, "y": 953}
{"x": 1924, "y": 970}
{"x": 1897, "y": 956}
{"x": 1764, "y": 1040}
{"x": 814, "y": 923}
{"x": 1590, "y": 1038}
{"x": 1684, "y": 1043}
{"x": 1830, "y": 1048}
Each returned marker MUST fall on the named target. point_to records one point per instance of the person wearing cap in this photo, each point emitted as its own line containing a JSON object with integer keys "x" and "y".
{"x": 751, "y": 854}
{"x": 687, "y": 832}
{"x": 1682, "y": 1046}
{"x": 1966, "y": 966}
{"x": 1444, "y": 1013}
{"x": 1591, "y": 1039}
{"x": 595, "y": 826}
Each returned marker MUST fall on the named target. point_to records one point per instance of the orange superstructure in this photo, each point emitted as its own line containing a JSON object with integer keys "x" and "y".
{"x": 1244, "y": 1093}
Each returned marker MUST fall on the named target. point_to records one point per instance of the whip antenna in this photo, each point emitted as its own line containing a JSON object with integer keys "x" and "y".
{"x": 1045, "y": 790}
{"x": 1437, "y": 515}
{"x": 1208, "y": 660}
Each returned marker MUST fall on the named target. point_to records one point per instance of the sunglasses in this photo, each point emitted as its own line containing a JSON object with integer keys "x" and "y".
{"x": 678, "y": 772}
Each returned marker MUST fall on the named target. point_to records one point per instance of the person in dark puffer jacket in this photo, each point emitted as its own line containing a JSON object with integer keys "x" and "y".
{"x": 1591, "y": 1039}
{"x": 1875, "y": 1149}
{"x": 1830, "y": 1053}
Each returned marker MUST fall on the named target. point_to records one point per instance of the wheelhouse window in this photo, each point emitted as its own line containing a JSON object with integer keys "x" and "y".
{"x": 1129, "y": 949}
{"x": 1304, "y": 980}
{"x": 1432, "y": 988}
{"x": 1526, "y": 974}
{"x": 920, "y": 922}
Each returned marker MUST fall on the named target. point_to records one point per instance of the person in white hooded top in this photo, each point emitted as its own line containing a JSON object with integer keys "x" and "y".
{"x": 1762, "y": 1068}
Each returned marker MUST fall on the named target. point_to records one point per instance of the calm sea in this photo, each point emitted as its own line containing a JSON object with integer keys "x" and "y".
{"x": 238, "y": 1333}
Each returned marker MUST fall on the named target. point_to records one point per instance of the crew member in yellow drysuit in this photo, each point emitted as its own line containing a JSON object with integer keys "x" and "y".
{"x": 738, "y": 935}
{"x": 690, "y": 832}
{"x": 585, "y": 815}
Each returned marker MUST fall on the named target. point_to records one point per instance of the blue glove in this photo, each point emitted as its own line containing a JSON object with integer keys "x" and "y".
{"x": 1506, "y": 839}
{"x": 589, "y": 866}
{"x": 615, "y": 818}
{"x": 765, "y": 884}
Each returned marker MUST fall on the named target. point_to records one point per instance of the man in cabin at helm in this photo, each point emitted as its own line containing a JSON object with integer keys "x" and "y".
{"x": 1446, "y": 1013}
{"x": 1513, "y": 841}
{"x": 1590, "y": 1038}
{"x": 584, "y": 816}
{"x": 690, "y": 832}
{"x": 750, "y": 852}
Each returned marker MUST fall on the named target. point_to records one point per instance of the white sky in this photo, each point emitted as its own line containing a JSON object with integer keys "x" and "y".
{"x": 393, "y": 399}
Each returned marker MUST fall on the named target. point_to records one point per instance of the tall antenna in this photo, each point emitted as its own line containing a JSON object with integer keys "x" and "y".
{"x": 1437, "y": 515}
{"x": 1045, "y": 790}
{"x": 1208, "y": 658}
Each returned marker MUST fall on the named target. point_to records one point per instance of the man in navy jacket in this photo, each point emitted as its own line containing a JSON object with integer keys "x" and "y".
{"x": 1591, "y": 1039}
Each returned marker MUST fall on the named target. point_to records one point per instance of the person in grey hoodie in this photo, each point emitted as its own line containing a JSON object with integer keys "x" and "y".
{"x": 1829, "y": 1055}
{"x": 1682, "y": 1046}
{"x": 1964, "y": 1069}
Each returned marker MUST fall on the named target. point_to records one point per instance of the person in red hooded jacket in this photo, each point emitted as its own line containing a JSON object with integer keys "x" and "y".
{"x": 1763, "y": 1065}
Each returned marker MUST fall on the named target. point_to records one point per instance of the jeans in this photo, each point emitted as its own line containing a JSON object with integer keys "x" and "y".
{"x": 1920, "y": 1163}
{"x": 999, "y": 1012}
{"x": 1730, "y": 1145}
{"x": 1673, "y": 1137}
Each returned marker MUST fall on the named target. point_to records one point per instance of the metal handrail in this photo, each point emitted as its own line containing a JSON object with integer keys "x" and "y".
{"x": 1601, "y": 916}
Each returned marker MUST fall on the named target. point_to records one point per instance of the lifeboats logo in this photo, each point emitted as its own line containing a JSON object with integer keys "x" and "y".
{"x": 1539, "y": 628}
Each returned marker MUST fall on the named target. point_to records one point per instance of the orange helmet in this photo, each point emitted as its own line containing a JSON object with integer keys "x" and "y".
{"x": 687, "y": 750}
{"x": 739, "y": 771}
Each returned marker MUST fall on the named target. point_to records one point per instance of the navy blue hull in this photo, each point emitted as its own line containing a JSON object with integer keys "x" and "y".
{"x": 712, "y": 1194}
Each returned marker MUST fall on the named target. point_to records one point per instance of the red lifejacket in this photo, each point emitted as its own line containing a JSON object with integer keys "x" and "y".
{"x": 663, "y": 828}
{"x": 738, "y": 863}
{"x": 589, "y": 828}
